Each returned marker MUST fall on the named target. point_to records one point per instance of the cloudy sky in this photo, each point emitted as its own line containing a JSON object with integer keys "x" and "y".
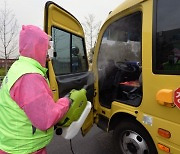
{"x": 32, "y": 11}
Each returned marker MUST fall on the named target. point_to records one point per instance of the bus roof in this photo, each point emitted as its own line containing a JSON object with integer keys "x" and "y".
{"x": 123, "y": 6}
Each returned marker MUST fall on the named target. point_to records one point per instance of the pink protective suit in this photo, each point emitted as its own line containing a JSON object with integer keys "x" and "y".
{"x": 31, "y": 91}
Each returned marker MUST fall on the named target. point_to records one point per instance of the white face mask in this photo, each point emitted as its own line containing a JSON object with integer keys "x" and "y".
{"x": 51, "y": 50}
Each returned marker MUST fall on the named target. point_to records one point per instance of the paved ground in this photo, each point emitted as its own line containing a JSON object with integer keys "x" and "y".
{"x": 95, "y": 142}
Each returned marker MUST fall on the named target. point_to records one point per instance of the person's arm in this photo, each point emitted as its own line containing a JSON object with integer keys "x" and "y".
{"x": 32, "y": 93}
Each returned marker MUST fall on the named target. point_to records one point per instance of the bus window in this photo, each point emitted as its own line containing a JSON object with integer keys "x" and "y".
{"x": 70, "y": 53}
{"x": 166, "y": 48}
{"x": 119, "y": 62}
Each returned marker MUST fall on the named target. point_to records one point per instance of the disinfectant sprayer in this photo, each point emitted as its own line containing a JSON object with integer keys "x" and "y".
{"x": 71, "y": 123}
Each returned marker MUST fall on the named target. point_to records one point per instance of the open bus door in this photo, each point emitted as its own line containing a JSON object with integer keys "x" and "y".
{"x": 68, "y": 65}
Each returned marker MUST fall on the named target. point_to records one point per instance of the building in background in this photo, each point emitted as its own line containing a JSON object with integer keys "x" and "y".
{"x": 9, "y": 62}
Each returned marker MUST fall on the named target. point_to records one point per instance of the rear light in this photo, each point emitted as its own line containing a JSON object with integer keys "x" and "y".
{"x": 163, "y": 148}
{"x": 164, "y": 133}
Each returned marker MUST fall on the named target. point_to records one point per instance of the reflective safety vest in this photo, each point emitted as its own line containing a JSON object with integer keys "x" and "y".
{"x": 17, "y": 134}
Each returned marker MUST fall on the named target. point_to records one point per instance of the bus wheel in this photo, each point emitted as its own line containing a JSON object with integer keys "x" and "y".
{"x": 131, "y": 138}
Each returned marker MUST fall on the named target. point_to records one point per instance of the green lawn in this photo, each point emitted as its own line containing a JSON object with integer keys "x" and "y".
{"x": 2, "y": 72}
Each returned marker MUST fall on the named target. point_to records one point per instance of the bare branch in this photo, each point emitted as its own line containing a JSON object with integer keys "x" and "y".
{"x": 8, "y": 32}
{"x": 91, "y": 28}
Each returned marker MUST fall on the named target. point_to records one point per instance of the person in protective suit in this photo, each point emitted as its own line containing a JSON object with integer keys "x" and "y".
{"x": 27, "y": 109}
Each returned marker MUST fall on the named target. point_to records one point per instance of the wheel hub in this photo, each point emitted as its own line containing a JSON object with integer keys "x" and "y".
{"x": 131, "y": 147}
{"x": 133, "y": 143}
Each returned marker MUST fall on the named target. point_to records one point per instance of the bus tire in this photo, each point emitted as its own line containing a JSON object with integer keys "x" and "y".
{"x": 132, "y": 138}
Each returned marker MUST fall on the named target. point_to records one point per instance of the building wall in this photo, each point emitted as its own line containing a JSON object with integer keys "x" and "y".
{"x": 9, "y": 62}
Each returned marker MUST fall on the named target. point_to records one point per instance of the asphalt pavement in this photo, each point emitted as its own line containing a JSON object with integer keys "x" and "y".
{"x": 95, "y": 142}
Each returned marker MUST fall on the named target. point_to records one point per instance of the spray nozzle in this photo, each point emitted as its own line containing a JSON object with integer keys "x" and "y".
{"x": 85, "y": 87}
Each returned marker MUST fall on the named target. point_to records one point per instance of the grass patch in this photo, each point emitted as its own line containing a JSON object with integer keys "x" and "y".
{"x": 2, "y": 72}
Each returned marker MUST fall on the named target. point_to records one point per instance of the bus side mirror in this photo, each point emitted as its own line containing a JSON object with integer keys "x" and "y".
{"x": 75, "y": 51}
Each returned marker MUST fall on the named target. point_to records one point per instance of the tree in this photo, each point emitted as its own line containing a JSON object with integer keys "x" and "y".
{"x": 91, "y": 28}
{"x": 8, "y": 34}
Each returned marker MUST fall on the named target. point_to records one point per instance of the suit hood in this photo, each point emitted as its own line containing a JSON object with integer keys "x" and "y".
{"x": 33, "y": 43}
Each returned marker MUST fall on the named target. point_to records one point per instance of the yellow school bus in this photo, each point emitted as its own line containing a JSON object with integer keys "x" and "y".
{"x": 134, "y": 81}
